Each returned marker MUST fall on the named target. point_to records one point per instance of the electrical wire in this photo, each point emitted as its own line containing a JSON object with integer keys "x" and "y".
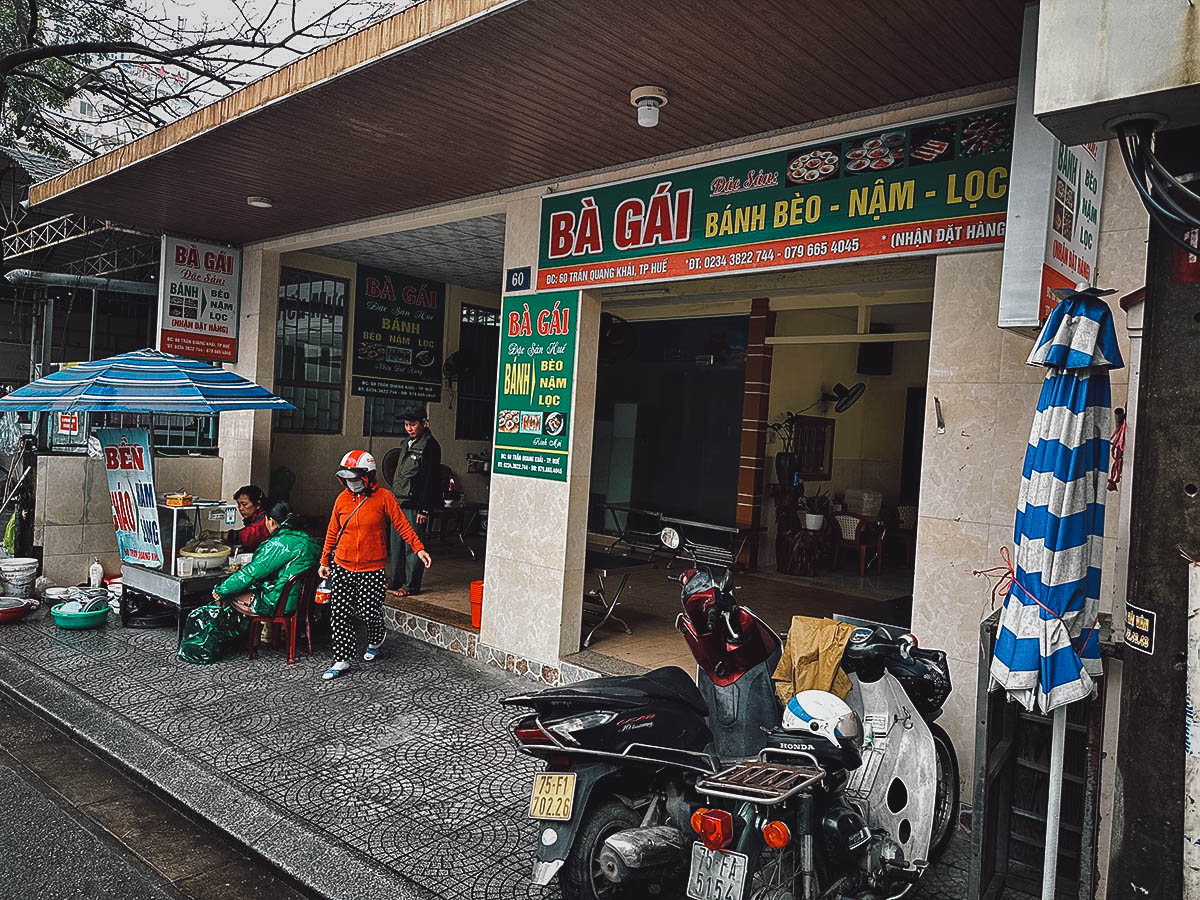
{"x": 1155, "y": 184}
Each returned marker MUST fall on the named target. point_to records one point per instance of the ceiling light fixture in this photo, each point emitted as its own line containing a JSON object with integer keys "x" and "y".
{"x": 259, "y": 202}
{"x": 648, "y": 99}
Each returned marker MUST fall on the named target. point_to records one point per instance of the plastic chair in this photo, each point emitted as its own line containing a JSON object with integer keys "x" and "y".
{"x": 906, "y": 517}
{"x": 853, "y": 532}
{"x": 306, "y": 584}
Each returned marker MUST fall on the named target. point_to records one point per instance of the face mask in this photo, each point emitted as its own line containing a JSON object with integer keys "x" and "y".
{"x": 357, "y": 485}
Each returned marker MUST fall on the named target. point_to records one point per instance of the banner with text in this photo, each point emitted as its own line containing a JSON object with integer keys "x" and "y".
{"x": 131, "y": 492}
{"x": 929, "y": 187}
{"x": 538, "y": 334}
{"x": 398, "y": 327}
{"x": 199, "y": 295}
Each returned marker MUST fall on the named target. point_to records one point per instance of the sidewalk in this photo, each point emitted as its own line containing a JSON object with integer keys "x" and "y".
{"x": 394, "y": 781}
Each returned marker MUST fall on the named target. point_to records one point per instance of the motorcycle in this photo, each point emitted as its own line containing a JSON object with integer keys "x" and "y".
{"x": 658, "y": 786}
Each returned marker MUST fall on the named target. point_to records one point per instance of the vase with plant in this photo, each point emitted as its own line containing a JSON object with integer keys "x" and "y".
{"x": 786, "y": 468}
{"x": 815, "y": 507}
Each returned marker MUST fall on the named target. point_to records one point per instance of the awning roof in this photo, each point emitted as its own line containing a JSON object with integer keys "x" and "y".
{"x": 455, "y": 98}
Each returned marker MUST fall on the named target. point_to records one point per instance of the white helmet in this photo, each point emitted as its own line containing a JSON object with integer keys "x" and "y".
{"x": 821, "y": 714}
{"x": 357, "y": 464}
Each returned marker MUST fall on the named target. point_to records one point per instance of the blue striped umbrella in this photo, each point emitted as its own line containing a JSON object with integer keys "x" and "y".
{"x": 145, "y": 381}
{"x": 1047, "y": 652}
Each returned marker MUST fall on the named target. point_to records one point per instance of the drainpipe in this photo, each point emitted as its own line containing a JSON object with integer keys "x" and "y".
{"x": 1191, "y": 745}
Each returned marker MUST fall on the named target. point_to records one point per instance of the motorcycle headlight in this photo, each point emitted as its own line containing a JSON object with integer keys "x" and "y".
{"x": 566, "y": 728}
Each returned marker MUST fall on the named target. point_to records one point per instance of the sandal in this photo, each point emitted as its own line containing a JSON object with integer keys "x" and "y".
{"x": 370, "y": 653}
{"x": 331, "y": 673}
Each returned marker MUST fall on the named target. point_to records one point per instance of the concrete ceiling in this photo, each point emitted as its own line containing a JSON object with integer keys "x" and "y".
{"x": 469, "y": 253}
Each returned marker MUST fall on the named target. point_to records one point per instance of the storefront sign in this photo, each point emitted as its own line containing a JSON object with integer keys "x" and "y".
{"x": 1139, "y": 628}
{"x": 926, "y": 188}
{"x": 1053, "y": 211}
{"x": 199, "y": 297}
{"x": 68, "y": 423}
{"x": 398, "y": 326}
{"x": 538, "y": 333}
{"x": 131, "y": 492}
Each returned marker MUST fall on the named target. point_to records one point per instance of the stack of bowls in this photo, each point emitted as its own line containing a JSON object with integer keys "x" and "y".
{"x": 18, "y": 574}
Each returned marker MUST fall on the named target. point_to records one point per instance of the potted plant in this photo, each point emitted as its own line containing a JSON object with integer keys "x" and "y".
{"x": 815, "y": 507}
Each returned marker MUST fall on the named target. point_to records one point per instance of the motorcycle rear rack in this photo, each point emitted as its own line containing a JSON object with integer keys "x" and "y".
{"x": 655, "y": 754}
{"x": 761, "y": 781}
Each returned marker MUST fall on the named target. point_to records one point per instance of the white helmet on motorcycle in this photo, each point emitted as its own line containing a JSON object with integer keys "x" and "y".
{"x": 821, "y": 714}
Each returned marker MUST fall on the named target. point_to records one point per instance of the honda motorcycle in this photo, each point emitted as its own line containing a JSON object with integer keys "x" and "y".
{"x": 658, "y": 786}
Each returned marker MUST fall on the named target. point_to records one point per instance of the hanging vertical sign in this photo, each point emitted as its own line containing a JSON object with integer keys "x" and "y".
{"x": 538, "y": 335}
{"x": 1052, "y": 233}
{"x": 131, "y": 493}
{"x": 398, "y": 326}
{"x": 199, "y": 299}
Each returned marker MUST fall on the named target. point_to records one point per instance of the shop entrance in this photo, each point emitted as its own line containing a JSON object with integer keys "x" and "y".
{"x": 350, "y": 367}
{"x": 831, "y": 525}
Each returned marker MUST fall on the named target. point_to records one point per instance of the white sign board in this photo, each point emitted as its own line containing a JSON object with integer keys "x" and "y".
{"x": 199, "y": 298}
{"x": 1052, "y": 230}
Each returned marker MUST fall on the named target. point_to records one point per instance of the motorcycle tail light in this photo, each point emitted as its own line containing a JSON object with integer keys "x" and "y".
{"x": 530, "y": 734}
{"x": 776, "y": 835}
{"x": 716, "y": 829}
{"x": 697, "y": 817}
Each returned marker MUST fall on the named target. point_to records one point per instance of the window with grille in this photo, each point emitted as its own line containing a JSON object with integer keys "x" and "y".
{"x": 383, "y": 415}
{"x": 310, "y": 350}
{"x": 479, "y": 343}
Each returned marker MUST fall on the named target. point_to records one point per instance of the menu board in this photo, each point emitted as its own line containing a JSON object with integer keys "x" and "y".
{"x": 199, "y": 296}
{"x": 398, "y": 328}
{"x": 929, "y": 187}
{"x": 131, "y": 492}
{"x": 538, "y": 334}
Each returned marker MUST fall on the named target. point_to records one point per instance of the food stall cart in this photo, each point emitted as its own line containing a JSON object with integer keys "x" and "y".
{"x": 149, "y": 381}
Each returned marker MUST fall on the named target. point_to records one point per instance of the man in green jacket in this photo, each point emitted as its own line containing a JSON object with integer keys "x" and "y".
{"x": 253, "y": 590}
{"x": 417, "y": 485}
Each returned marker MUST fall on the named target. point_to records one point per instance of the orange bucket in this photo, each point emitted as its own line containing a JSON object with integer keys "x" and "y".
{"x": 476, "y": 604}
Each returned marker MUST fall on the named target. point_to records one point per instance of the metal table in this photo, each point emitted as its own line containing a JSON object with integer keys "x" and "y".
{"x": 737, "y": 535}
{"x": 462, "y": 515}
{"x": 603, "y": 566}
{"x": 185, "y": 594}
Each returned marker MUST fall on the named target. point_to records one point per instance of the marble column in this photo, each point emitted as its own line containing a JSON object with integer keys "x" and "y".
{"x": 537, "y": 533}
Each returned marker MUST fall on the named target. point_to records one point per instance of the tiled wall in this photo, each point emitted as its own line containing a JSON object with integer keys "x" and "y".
{"x": 971, "y": 474}
{"x": 73, "y": 517}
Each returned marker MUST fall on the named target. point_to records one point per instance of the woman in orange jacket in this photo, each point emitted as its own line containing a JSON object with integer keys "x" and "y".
{"x": 355, "y": 556}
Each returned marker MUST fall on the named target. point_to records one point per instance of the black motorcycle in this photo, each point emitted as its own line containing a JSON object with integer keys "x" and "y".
{"x": 655, "y": 786}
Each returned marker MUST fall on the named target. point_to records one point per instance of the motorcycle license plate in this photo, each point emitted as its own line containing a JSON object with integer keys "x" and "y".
{"x": 553, "y": 796}
{"x": 716, "y": 874}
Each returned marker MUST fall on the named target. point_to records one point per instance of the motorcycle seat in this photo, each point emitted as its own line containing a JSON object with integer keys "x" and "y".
{"x": 669, "y": 684}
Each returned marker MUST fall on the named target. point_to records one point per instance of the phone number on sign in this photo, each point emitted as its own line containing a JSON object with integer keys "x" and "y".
{"x": 770, "y": 254}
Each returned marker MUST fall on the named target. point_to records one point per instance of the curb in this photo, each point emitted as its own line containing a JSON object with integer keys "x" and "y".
{"x": 322, "y": 866}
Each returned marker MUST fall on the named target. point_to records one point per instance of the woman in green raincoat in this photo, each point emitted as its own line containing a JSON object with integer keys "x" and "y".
{"x": 252, "y": 590}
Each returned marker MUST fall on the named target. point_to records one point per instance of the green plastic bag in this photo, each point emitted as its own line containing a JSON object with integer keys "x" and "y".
{"x": 10, "y": 534}
{"x": 210, "y": 632}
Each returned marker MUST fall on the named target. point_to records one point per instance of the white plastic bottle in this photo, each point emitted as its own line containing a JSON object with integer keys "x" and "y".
{"x": 95, "y": 573}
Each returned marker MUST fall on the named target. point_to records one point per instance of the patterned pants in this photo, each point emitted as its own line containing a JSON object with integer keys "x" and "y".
{"x": 355, "y": 596}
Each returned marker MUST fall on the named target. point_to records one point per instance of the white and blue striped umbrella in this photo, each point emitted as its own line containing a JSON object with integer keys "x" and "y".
{"x": 1047, "y": 652}
{"x": 145, "y": 381}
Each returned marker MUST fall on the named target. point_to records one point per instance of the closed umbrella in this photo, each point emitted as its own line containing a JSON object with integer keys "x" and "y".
{"x": 1047, "y": 651}
{"x": 144, "y": 381}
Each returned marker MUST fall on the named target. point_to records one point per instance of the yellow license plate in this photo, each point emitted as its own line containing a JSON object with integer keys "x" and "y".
{"x": 553, "y": 796}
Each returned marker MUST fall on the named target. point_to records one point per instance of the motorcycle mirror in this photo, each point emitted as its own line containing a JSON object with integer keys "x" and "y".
{"x": 670, "y": 538}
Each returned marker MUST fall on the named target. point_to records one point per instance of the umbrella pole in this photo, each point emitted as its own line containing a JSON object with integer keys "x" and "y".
{"x": 1058, "y": 736}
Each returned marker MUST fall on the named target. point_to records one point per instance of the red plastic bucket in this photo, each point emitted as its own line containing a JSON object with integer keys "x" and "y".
{"x": 476, "y": 604}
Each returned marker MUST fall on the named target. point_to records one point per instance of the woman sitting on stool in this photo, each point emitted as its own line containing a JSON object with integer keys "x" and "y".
{"x": 253, "y": 590}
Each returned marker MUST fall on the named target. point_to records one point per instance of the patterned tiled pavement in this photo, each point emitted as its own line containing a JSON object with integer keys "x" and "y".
{"x": 402, "y": 766}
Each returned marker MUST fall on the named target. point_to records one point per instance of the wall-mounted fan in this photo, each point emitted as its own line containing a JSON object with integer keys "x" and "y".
{"x": 843, "y": 397}
{"x": 458, "y": 366}
{"x": 618, "y": 340}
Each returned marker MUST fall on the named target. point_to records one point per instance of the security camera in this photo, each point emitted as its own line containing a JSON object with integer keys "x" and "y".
{"x": 648, "y": 99}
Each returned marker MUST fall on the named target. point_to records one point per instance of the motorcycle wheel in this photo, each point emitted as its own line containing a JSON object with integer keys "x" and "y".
{"x": 581, "y": 877}
{"x": 945, "y": 804}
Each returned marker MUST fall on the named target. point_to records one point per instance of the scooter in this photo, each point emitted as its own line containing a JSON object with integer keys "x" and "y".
{"x": 656, "y": 786}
